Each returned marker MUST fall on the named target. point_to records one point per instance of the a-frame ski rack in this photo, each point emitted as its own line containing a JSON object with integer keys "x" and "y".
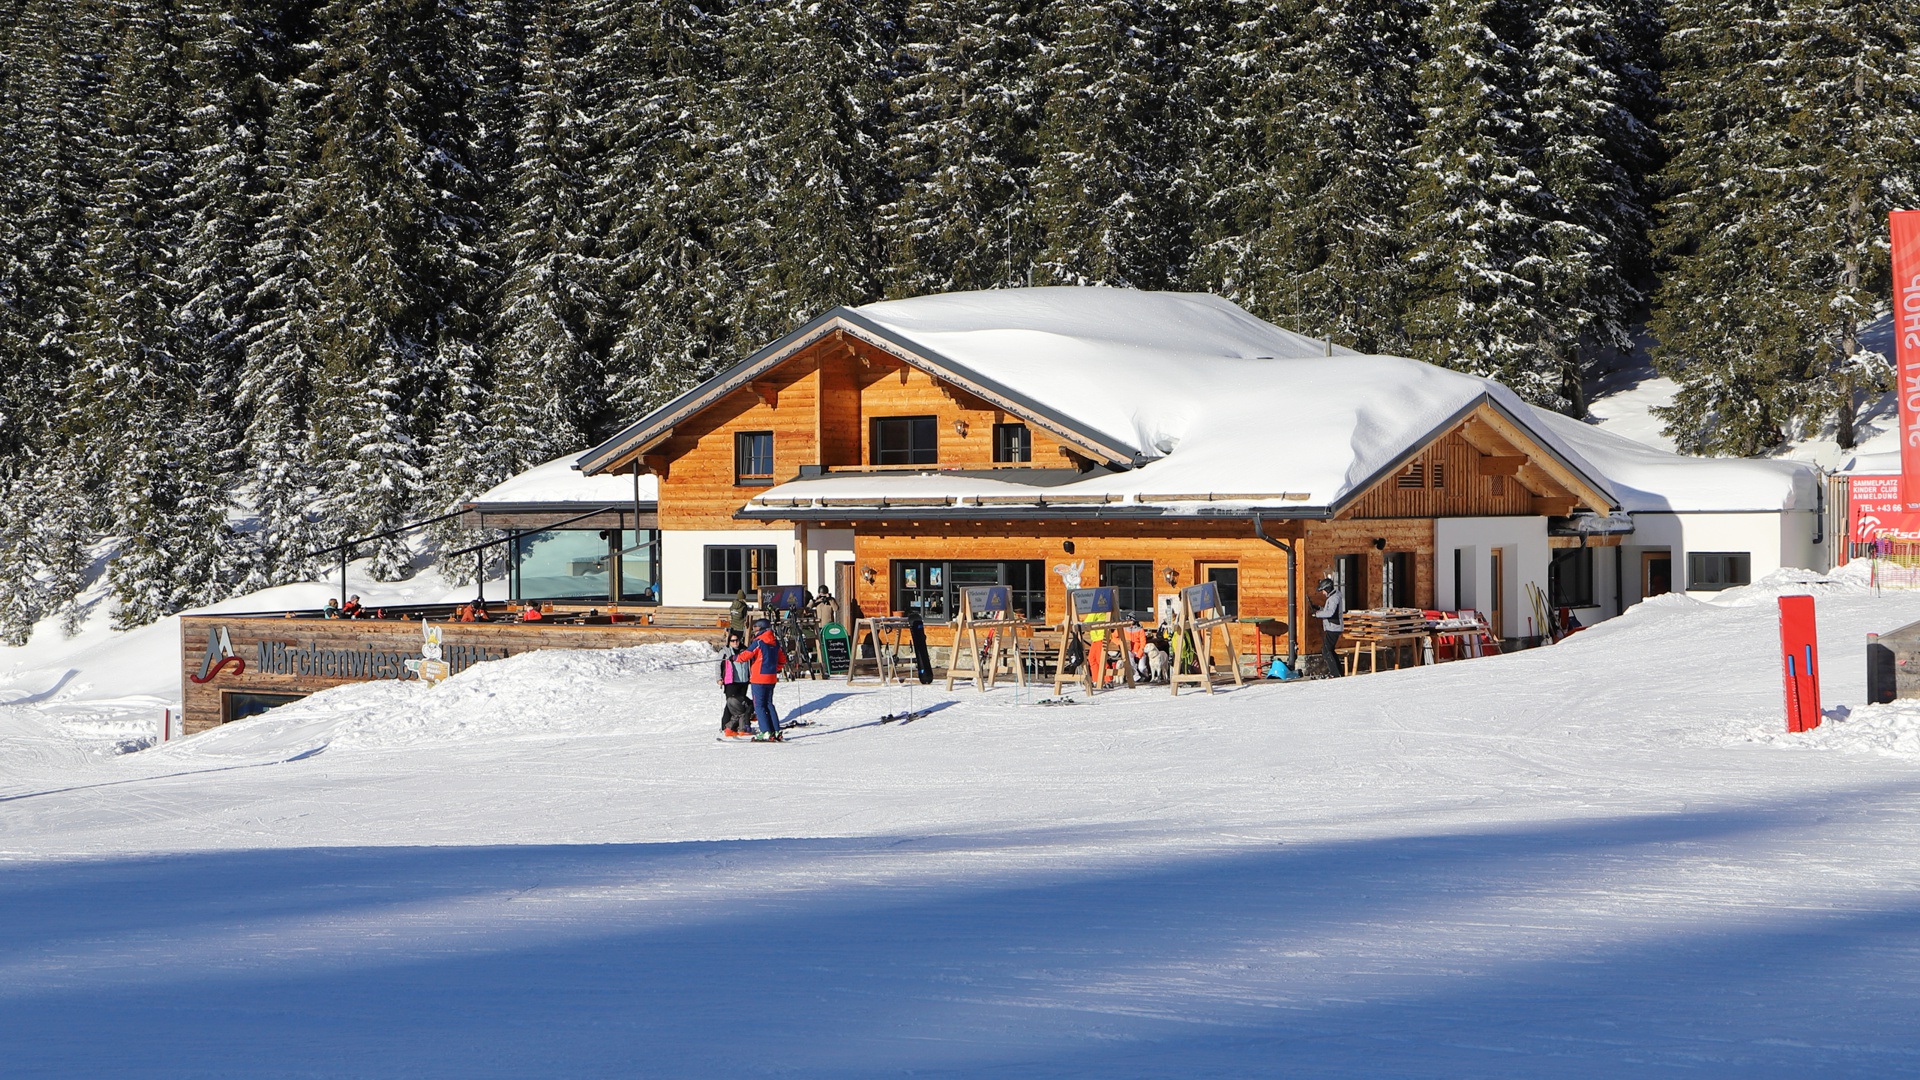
{"x": 1089, "y": 611}
{"x": 989, "y": 608}
{"x": 1198, "y": 614}
{"x": 887, "y": 635}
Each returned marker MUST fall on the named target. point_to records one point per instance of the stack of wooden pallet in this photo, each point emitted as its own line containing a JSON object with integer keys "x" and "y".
{"x": 1386, "y": 622}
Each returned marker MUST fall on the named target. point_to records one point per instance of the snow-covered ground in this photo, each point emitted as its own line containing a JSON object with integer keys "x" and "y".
{"x": 1598, "y": 859}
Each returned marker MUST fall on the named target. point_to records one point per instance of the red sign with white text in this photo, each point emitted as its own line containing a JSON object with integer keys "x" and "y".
{"x": 1904, "y": 229}
{"x": 1878, "y": 511}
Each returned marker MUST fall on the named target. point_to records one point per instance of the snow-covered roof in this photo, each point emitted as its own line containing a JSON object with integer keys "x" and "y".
{"x": 1881, "y": 464}
{"x": 1651, "y": 480}
{"x": 558, "y": 481}
{"x": 1202, "y": 396}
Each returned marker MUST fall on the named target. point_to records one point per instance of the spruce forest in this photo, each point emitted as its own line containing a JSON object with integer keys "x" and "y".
{"x": 274, "y": 275}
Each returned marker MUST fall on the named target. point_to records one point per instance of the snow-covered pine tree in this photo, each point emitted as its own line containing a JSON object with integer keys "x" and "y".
{"x": 283, "y": 347}
{"x": 137, "y": 406}
{"x": 1854, "y": 111}
{"x": 1110, "y": 199}
{"x": 661, "y": 200}
{"x": 547, "y": 372}
{"x": 961, "y": 150}
{"x": 400, "y": 284}
{"x": 54, "y": 64}
{"x": 1789, "y": 139}
{"x": 1302, "y": 171}
{"x": 802, "y": 126}
{"x": 1478, "y": 220}
{"x": 1591, "y": 95}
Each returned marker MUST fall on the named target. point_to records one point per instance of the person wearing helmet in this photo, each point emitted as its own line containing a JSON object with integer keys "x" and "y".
{"x": 764, "y": 658}
{"x": 736, "y": 715}
{"x": 1331, "y": 613}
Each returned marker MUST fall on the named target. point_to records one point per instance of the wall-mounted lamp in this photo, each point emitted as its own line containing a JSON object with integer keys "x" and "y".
{"x": 1170, "y": 574}
{"x": 960, "y": 428}
{"x": 1066, "y": 546}
{"x": 867, "y": 575}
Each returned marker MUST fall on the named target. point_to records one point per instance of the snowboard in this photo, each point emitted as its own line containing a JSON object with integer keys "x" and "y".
{"x": 922, "y": 661}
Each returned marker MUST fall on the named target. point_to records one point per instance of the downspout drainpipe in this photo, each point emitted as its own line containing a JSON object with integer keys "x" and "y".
{"x": 1293, "y": 593}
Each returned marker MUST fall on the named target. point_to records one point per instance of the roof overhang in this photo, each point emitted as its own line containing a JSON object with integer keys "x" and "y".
{"x": 1593, "y": 491}
{"x": 658, "y": 425}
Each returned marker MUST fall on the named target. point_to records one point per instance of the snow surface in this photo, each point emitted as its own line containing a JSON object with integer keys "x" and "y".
{"x": 1599, "y": 859}
{"x": 558, "y": 481}
{"x": 1650, "y": 479}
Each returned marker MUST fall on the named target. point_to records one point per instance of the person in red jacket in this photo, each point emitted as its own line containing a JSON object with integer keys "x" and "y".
{"x": 764, "y": 659}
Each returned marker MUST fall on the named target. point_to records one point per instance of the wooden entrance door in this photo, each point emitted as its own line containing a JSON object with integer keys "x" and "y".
{"x": 1656, "y": 573}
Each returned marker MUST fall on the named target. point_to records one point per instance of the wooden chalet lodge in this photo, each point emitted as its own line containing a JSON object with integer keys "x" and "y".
{"x": 902, "y": 451}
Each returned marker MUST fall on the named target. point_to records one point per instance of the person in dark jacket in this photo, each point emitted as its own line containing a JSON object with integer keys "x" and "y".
{"x": 737, "y": 612}
{"x": 764, "y": 658}
{"x": 1331, "y": 613}
{"x": 736, "y": 716}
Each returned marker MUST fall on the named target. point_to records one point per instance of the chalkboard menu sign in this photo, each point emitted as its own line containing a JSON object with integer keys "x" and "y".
{"x": 836, "y": 648}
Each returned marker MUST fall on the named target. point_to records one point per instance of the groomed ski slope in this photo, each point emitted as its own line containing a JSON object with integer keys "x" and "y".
{"x": 1599, "y": 859}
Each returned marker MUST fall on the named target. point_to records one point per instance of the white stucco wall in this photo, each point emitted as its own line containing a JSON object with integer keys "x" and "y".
{"x": 1522, "y": 542}
{"x": 683, "y": 560}
{"x": 1772, "y": 540}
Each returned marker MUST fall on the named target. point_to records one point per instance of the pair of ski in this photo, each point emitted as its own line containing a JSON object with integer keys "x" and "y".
{"x": 783, "y": 728}
{"x": 904, "y": 718}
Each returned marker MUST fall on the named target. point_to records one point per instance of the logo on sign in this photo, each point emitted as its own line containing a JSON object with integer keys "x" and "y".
{"x": 220, "y": 656}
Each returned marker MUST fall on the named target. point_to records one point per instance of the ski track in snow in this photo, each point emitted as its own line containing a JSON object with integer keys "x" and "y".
{"x": 1599, "y": 859}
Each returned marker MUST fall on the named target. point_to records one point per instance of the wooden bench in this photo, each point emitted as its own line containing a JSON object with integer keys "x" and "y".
{"x": 687, "y": 618}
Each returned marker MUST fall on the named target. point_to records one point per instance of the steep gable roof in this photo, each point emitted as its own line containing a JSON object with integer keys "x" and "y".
{"x": 1187, "y": 392}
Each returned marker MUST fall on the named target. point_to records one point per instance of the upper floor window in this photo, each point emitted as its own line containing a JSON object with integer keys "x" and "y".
{"x": 753, "y": 457}
{"x": 1012, "y": 443}
{"x": 906, "y": 440}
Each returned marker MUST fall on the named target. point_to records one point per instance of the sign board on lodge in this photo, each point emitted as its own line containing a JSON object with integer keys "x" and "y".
{"x": 236, "y": 666}
{"x": 1877, "y": 511}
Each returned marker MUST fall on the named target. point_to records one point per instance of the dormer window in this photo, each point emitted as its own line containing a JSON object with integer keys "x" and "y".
{"x": 906, "y": 440}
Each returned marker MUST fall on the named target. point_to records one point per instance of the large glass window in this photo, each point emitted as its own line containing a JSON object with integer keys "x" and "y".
{"x": 753, "y": 458}
{"x": 735, "y": 569}
{"x": 1132, "y": 584}
{"x": 562, "y": 564}
{"x": 640, "y": 566}
{"x": 932, "y": 589}
{"x": 1717, "y": 570}
{"x": 1570, "y": 578}
{"x": 905, "y": 440}
{"x": 1012, "y": 443}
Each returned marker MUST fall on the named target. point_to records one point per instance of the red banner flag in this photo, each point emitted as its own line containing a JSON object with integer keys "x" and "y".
{"x": 1905, "y": 228}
